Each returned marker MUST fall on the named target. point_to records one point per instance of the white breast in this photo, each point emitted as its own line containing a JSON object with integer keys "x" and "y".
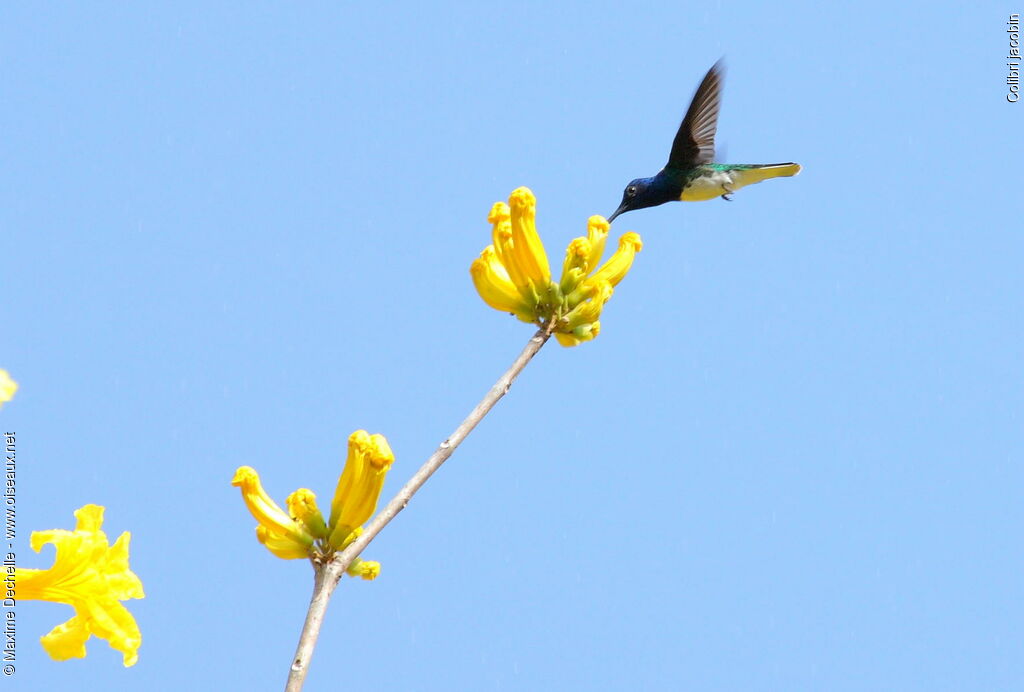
{"x": 709, "y": 187}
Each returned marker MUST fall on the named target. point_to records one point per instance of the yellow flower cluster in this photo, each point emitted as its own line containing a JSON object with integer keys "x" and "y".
{"x": 91, "y": 576}
{"x": 512, "y": 274}
{"x": 302, "y": 532}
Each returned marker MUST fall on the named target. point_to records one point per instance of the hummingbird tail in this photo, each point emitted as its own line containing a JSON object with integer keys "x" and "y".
{"x": 758, "y": 172}
{"x": 749, "y": 173}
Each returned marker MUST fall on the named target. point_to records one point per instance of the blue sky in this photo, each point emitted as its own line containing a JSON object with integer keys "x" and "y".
{"x": 792, "y": 459}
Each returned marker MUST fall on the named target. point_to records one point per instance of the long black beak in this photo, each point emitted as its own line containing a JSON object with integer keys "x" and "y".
{"x": 622, "y": 208}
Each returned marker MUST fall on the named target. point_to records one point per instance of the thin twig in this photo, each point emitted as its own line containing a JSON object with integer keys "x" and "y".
{"x": 327, "y": 574}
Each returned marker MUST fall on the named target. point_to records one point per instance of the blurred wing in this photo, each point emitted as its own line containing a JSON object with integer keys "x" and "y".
{"x": 695, "y": 141}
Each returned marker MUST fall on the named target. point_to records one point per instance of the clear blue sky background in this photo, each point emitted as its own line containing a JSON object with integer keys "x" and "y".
{"x": 233, "y": 234}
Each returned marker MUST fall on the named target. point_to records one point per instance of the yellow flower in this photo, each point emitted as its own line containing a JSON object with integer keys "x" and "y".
{"x": 614, "y": 270}
{"x": 301, "y": 532}
{"x": 513, "y": 275}
{"x": 302, "y": 506}
{"x": 7, "y": 387}
{"x": 364, "y": 570}
{"x": 526, "y": 245}
{"x": 493, "y": 284}
{"x": 281, "y": 545}
{"x": 355, "y": 499}
{"x": 91, "y": 576}
{"x": 284, "y": 536}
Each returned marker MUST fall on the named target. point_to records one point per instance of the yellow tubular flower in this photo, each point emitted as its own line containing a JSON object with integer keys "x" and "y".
{"x": 366, "y": 570}
{"x": 597, "y": 234}
{"x": 526, "y": 245}
{"x": 7, "y": 387}
{"x": 302, "y": 505}
{"x": 499, "y": 212}
{"x": 504, "y": 248}
{"x": 362, "y": 479}
{"x": 92, "y": 577}
{"x": 614, "y": 270}
{"x": 281, "y": 546}
{"x": 492, "y": 283}
{"x": 275, "y": 520}
{"x": 576, "y": 264}
{"x": 501, "y": 238}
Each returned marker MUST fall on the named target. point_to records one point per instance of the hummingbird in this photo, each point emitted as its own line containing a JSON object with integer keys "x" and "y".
{"x": 690, "y": 174}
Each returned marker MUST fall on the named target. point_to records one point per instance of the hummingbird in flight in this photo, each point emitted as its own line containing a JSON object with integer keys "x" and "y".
{"x": 690, "y": 174}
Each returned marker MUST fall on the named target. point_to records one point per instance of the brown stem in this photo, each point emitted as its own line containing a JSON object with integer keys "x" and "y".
{"x": 328, "y": 574}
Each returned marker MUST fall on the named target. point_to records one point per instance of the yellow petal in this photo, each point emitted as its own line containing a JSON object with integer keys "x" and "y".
{"x": 121, "y": 582}
{"x": 113, "y": 622}
{"x": 67, "y": 640}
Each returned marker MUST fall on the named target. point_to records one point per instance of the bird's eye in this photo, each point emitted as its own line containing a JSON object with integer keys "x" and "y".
{"x": 631, "y": 190}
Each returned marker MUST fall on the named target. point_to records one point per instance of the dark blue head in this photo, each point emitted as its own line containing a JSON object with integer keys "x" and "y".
{"x": 645, "y": 192}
